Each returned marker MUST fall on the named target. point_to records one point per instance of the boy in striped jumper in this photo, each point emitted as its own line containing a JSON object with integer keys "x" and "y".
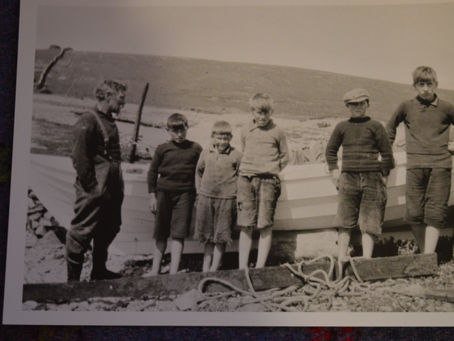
{"x": 362, "y": 182}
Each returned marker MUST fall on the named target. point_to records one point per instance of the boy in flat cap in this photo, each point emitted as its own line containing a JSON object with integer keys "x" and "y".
{"x": 427, "y": 120}
{"x": 362, "y": 182}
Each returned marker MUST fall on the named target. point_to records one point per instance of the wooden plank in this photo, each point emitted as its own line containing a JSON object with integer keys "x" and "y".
{"x": 394, "y": 267}
{"x": 262, "y": 279}
{"x": 163, "y": 285}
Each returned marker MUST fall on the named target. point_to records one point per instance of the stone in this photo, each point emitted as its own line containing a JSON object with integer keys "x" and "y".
{"x": 314, "y": 243}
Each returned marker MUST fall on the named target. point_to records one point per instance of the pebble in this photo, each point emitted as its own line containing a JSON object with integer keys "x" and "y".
{"x": 29, "y": 305}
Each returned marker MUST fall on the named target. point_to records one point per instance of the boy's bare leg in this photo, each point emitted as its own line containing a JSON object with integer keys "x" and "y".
{"x": 159, "y": 249}
{"x": 266, "y": 236}
{"x": 367, "y": 241}
{"x": 207, "y": 256}
{"x": 343, "y": 240}
{"x": 419, "y": 233}
{"x": 176, "y": 250}
{"x": 244, "y": 248}
{"x": 217, "y": 256}
{"x": 431, "y": 239}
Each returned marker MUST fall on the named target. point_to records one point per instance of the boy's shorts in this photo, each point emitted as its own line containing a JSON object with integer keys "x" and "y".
{"x": 215, "y": 218}
{"x": 362, "y": 199}
{"x": 256, "y": 200}
{"x": 427, "y": 196}
{"x": 173, "y": 214}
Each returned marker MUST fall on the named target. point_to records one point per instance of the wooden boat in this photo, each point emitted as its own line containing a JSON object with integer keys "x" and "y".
{"x": 308, "y": 200}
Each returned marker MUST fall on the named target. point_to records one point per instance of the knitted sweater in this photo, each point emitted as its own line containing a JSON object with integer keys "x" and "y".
{"x": 265, "y": 150}
{"x": 217, "y": 173}
{"x": 426, "y": 131}
{"x": 175, "y": 165}
{"x": 362, "y": 140}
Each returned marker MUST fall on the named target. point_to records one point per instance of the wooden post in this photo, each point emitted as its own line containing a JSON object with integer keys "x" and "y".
{"x": 132, "y": 153}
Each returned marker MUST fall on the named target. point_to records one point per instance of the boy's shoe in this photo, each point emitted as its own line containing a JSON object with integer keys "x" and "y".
{"x": 104, "y": 274}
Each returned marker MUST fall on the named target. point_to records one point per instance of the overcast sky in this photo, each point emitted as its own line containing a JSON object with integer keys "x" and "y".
{"x": 380, "y": 41}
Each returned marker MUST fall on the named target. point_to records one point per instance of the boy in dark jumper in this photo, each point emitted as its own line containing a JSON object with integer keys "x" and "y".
{"x": 427, "y": 120}
{"x": 171, "y": 184}
{"x": 362, "y": 183}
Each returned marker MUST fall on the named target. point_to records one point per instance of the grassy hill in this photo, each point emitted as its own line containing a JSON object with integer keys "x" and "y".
{"x": 220, "y": 87}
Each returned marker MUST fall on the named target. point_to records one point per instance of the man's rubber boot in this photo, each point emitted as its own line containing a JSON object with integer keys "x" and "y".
{"x": 74, "y": 271}
{"x": 101, "y": 274}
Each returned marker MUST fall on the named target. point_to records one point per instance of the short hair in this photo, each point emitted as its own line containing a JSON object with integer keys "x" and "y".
{"x": 221, "y": 128}
{"x": 107, "y": 87}
{"x": 424, "y": 73}
{"x": 177, "y": 120}
{"x": 261, "y": 100}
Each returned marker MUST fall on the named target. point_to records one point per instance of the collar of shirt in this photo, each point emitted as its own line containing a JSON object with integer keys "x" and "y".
{"x": 434, "y": 102}
{"x": 359, "y": 119}
{"x": 254, "y": 126}
{"x": 227, "y": 150}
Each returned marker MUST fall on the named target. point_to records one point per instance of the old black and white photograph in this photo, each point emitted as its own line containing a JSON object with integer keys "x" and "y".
{"x": 233, "y": 163}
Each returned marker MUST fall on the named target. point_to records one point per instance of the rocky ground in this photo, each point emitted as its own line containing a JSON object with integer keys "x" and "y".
{"x": 44, "y": 260}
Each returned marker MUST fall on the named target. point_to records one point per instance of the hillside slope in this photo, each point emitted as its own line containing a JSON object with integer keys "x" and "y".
{"x": 220, "y": 87}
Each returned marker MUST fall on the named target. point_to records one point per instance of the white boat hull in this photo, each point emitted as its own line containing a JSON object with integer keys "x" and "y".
{"x": 308, "y": 200}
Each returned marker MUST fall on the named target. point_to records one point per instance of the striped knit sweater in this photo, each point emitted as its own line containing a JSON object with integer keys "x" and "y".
{"x": 362, "y": 140}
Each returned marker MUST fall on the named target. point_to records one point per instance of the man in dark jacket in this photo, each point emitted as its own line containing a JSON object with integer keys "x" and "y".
{"x": 99, "y": 185}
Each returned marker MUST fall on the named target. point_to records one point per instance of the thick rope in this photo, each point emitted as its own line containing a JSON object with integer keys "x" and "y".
{"x": 318, "y": 287}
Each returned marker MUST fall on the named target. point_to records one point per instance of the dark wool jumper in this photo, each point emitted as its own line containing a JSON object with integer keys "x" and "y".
{"x": 362, "y": 140}
{"x": 426, "y": 131}
{"x": 175, "y": 164}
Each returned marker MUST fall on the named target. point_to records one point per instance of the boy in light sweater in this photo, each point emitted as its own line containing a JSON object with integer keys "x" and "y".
{"x": 216, "y": 183}
{"x": 265, "y": 154}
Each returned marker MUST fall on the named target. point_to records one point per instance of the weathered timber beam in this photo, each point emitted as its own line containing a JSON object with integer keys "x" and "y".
{"x": 139, "y": 287}
{"x": 394, "y": 267}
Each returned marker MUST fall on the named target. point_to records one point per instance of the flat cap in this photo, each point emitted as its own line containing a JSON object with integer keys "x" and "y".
{"x": 356, "y": 95}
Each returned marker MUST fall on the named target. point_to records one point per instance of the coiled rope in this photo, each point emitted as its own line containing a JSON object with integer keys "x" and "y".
{"x": 317, "y": 288}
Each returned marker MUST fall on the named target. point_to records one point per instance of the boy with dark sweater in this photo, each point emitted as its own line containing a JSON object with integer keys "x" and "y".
{"x": 171, "y": 184}
{"x": 362, "y": 182}
{"x": 427, "y": 120}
